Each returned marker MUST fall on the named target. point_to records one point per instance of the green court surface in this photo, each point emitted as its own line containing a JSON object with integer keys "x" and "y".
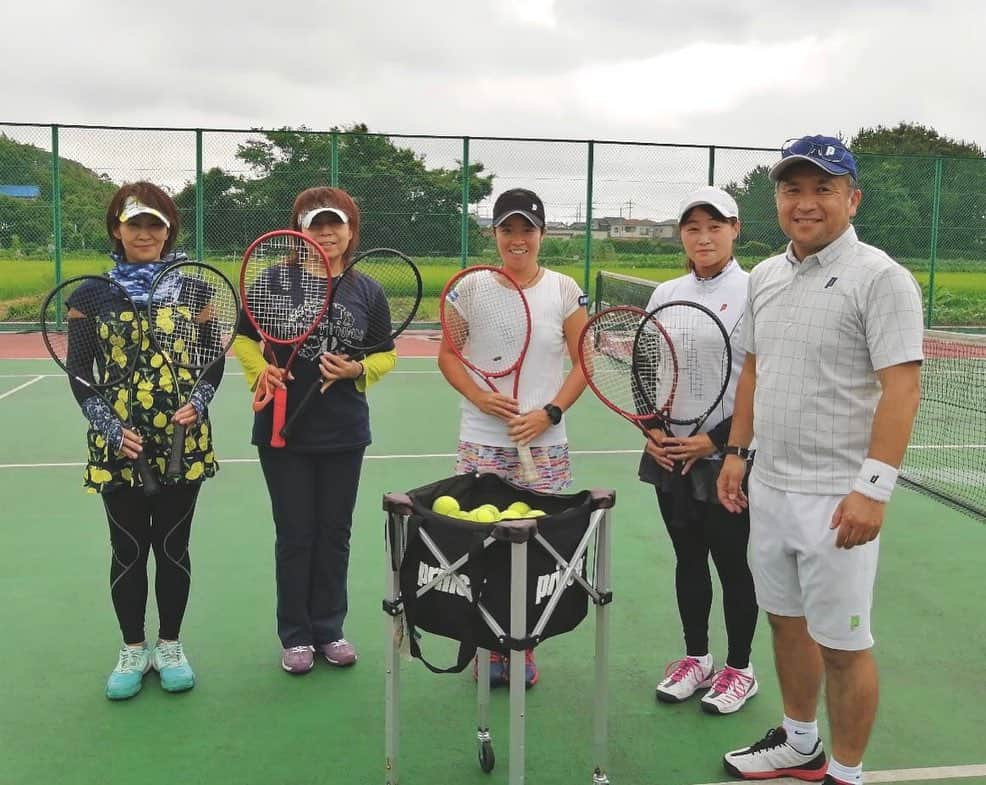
{"x": 249, "y": 723}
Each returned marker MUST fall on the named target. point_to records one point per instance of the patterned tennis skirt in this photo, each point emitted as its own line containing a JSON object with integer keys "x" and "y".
{"x": 552, "y": 462}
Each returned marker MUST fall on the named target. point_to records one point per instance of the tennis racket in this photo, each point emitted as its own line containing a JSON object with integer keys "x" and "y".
{"x": 191, "y": 312}
{"x": 391, "y": 284}
{"x": 703, "y": 362}
{"x": 619, "y": 368}
{"x": 285, "y": 287}
{"x": 486, "y": 322}
{"x": 95, "y": 333}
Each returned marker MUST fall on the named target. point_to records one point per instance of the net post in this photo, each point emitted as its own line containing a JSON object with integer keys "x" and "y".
{"x": 590, "y": 165}
{"x": 334, "y": 160}
{"x": 712, "y": 165}
{"x": 933, "y": 256}
{"x": 199, "y": 199}
{"x": 464, "y": 225}
{"x": 56, "y": 219}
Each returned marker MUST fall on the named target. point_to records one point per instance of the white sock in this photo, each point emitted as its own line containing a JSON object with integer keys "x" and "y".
{"x": 851, "y": 775}
{"x": 801, "y": 735}
{"x": 705, "y": 661}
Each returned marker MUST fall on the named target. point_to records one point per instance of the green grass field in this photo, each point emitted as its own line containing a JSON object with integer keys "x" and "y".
{"x": 960, "y": 295}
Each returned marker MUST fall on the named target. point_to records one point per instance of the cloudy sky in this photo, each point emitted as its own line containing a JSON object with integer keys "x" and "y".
{"x": 745, "y": 73}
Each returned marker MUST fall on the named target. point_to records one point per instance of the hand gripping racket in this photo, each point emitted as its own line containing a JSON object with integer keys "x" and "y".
{"x": 486, "y": 322}
{"x": 390, "y": 283}
{"x": 93, "y": 330}
{"x": 285, "y": 286}
{"x": 191, "y": 311}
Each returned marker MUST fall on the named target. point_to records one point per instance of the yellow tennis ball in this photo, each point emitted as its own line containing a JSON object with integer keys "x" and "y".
{"x": 445, "y": 505}
{"x": 484, "y": 515}
{"x": 534, "y": 513}
{"x": 510, "y": 515}
{"x": 491, "y": 507}
{"x": 520, "y": 507}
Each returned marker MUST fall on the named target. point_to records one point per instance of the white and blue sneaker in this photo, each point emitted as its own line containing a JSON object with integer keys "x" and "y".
{"x": 168, "y": 659}
{"x": 128, "y": 676}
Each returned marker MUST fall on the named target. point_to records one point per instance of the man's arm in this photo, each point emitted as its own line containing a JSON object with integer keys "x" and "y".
{"x": 730, "y": 483}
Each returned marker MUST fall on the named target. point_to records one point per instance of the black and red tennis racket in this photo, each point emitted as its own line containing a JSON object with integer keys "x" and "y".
{"x": 93, "y": 330}
{"x": 192, "y": 310}
{"x": 285, "y": 287}
{"x": 634, "y": 377}
{"x": 486, "y": 322}
{"x": 390, "y": 283}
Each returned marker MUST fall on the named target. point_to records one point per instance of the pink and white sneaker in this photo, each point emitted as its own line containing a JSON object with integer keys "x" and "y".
{"x": 731, "y": 688}
{"x": 682, "y": 678}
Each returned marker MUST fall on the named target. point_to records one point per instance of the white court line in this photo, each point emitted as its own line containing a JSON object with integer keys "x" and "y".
{"x": 411, "y": 457}
{"x": 21, "y": 386}
{"x": 897, "y": 775}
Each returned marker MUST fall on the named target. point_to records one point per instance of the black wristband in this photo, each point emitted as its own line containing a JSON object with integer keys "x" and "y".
{"x": 742, "y": 452}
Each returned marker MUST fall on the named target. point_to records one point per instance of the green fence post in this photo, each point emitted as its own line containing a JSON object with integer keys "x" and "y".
{"x": 199, "y": 199}
{"x": 464, "y": 225}
{"x": 935, "y": 209}
{"x": 56, "y": 216}
{"x": 712, "y": 165}
{"x": 334, "y": 161}
{"x": 588, "y": 214}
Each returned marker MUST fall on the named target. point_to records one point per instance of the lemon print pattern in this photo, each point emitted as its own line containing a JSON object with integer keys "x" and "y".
{"x": 157, "y": 394}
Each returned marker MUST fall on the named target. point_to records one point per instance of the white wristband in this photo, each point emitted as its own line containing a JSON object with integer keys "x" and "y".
{"x": 876, "y": 480}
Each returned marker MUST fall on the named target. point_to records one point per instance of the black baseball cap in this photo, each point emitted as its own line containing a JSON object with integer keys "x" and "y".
{"x": 519, "y": 201}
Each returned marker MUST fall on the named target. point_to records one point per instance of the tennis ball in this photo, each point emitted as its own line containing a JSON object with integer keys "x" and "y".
{"x": 484, "y": 515}
{"x": 535, "y": 513}
{"x": 520, "y": 507}
{"x": 445, "y": 505}
{"x": 510, "y": 515}
{"x": 491, "y": 507}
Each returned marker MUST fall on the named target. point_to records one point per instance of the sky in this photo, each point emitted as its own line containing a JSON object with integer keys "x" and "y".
{"x": 744, "y": 73}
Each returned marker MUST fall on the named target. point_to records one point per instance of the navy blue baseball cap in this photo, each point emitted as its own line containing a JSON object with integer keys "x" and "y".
{"x": 825, "y": 152}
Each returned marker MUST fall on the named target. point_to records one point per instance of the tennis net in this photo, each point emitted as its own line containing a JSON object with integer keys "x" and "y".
{"x": 946, "y": 458}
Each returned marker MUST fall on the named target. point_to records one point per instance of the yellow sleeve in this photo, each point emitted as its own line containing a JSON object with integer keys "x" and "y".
{"x": 248, "y": 352}
{"x": 375, "y": 366}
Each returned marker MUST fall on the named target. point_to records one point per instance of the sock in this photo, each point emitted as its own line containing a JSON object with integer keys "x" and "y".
{"x": 747, "y": 671}
{"x": 705, "y": 661}
{"x": 847, "y": 775}
{"x": 801, "y": 735}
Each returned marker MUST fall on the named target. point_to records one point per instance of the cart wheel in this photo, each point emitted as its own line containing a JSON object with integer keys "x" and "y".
{"x": 487, "y": 760}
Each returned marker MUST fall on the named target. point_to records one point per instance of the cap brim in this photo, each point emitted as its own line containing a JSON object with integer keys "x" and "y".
{"x": 533, "y": 219}
{"x": 724, "y": 211}
{"x": 826, "y": 166}
{"x": 126, "y": 215}
{"x": 305, "y": 221}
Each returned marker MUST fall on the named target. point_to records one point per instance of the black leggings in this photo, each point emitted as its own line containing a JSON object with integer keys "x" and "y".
{"x": 139, "y": 524}
{"x": 724, "y": 535}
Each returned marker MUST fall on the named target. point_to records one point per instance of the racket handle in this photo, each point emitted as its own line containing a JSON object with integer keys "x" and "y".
{"x": 177, "y": 453}
{"x": 147, "y": 478}
{"x": 280, "y": 410}
{"x": 528, "y": 471}
{"x": 288, "y": 428}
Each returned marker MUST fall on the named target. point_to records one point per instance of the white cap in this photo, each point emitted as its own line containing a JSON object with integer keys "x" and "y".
{"x": 134, "y": 207}
{"x": 305, "y": 220}
{"x": 714, "y": 197}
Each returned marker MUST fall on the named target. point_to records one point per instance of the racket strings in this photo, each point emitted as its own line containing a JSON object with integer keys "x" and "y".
{"x": 400, "y": 283}
{"x": 286, "y": 287}
{"x": 484, "y": 317}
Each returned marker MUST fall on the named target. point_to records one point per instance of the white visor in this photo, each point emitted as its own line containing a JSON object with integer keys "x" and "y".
{"x": 305, "y": 220}
{"x": 134, "y": 207}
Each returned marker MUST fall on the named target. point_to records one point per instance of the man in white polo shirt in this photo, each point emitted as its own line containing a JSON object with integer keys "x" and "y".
{"x": 830, "y": 386}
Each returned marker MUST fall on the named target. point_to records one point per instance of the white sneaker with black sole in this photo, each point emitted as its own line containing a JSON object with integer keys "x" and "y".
{"x": 731, "y": 689}
{"x": 682, "y": 678}
{"x": 772, "y": 756}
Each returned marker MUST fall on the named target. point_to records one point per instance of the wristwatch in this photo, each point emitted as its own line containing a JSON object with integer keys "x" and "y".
{"x": 742, "y": 452}
{"x": 554, "y": 413}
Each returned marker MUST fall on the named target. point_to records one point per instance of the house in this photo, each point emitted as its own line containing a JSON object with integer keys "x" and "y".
{"x": 641, "y": 229}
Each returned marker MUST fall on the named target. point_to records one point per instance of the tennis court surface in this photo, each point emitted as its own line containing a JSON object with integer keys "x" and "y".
{"x": 249, "y": 723}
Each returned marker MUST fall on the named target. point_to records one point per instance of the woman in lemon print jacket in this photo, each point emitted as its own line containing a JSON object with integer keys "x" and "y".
{"x": 142, "y": 222}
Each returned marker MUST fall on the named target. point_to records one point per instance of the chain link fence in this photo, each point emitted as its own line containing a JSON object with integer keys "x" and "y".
{"x": 610, "y": 205}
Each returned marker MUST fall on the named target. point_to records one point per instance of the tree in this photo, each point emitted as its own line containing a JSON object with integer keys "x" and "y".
{"x": 758, "y": 215}
{"x": 898, "y": 192}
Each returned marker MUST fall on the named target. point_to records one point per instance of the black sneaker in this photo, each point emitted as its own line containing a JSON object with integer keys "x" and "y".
{"x": 772, "y": 757}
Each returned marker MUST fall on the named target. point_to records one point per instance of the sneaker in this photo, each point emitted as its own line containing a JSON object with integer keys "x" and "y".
{"x": 772, "y": 756}
{"x": 340, "y": 653}
{"x": 830, "y": 780}
{"x": 499, "y": 669}
{"x": 128, "y": 676}
{"x": 530, "y": 669}
{"x": 682, "y": 678}
{"x": 168, "y": 659}
{"x": 298, "y": 660}
{"x": 731, "y": 688}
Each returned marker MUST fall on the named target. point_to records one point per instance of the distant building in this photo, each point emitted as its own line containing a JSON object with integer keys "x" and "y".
{"x": 641, "y": 229}
{"x": 21, "y": 191}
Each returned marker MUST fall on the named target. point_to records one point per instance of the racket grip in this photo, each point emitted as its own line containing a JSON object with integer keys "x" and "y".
{"x": 177, "y": 453}
{"x": 147, "y": 478}
{"x": 280, "y": 410}
{"x": 528, "y": 471}
{"x": 288, "y": 428}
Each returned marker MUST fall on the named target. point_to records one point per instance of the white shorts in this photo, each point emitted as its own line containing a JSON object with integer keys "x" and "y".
{"x": 798, "y": 571}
